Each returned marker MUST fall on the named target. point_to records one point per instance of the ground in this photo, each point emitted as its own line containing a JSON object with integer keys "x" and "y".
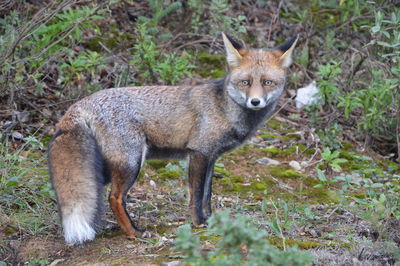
{"x": 260, "y": 179}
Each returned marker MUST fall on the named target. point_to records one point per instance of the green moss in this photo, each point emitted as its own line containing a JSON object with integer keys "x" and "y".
{"x": 268, "y": 181}
{"x": 259, "y": 186}
{"x": 347, "y": 146}
{"x": 174, "y": 174}
{"x": 283, "y": 138}
{"x": 253, "y": 207}
{"x": 347, "y": 155}
{"x": 268, "y": 136}
{"x": 292, "y": 136}
{"x": 280, "y": 171}
{"x": 310, "y": 182}
{"x": 321, "y": 195}
{"x": 278, "y": 242}
{"x": 157, "y": 164}
{"x": 272, "y": 151}
{"x": 360, "y": 195}
{"x": 242, "y": 150}
{"x": 276, "y": 152}
{"x": 161, "y": 170}
{"x": 390, "y": 165}
{"x": 274, "y": 124}
{"x": 222, "y": 171}
{"x": 212, "y": 66}
{"x": 233, "y": 184}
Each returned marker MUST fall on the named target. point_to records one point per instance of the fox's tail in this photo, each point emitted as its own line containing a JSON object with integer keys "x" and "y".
{"x": 77, "y": 174}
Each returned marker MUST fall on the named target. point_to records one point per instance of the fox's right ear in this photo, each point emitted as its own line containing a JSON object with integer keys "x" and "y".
{"x": 232, "y": 51}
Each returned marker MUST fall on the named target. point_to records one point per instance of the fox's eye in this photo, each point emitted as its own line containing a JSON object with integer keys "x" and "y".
{"x": 268, "y": 82}
{"x": 245, "y": 82}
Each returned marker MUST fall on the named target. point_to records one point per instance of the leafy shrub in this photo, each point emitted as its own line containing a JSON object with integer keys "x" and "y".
{"x": 153, "y": 65}
{"x": 217, "y": 19}
{"x": 241, "y": 243}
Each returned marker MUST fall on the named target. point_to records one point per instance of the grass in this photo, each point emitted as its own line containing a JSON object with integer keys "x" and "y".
{"x": 27, "y": 203}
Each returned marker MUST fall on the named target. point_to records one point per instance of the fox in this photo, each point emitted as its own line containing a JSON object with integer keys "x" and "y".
{"x": 106, "y": 137}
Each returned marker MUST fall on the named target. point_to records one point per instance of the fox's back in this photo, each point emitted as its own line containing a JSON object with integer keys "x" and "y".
{"x": 165, "y": 114}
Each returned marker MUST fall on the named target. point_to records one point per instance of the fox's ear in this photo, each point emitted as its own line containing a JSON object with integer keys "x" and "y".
{"x": 287, "y": 48}
{"x": 232, "y": 48}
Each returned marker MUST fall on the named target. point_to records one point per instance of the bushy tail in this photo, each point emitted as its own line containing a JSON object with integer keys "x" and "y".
{"x": 76, "y": 171}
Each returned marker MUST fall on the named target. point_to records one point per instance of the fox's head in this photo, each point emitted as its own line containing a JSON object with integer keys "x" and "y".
{"x": 257, "y": 76}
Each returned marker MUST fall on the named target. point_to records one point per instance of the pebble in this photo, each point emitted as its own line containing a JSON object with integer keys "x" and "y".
{"x": 267, "y": 161}
{"x": 295, "y": 165}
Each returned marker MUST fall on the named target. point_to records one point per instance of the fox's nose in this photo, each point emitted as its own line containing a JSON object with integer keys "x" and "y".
{"x": 255, "y": 101}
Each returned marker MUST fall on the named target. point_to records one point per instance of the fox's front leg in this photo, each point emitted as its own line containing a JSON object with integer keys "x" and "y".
{"x": 198, "y": 168}
{"x": 208, "y": 189}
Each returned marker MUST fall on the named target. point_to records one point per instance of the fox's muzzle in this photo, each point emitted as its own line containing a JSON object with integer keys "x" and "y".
{"x": 255, "y": 103}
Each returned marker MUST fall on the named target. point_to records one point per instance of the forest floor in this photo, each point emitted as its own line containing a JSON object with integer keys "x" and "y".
{"x": 323, "y": 178}
{"x": 274, "y": 168}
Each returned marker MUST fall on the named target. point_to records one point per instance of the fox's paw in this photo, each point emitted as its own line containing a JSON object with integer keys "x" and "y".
{"x": 200, "y": 222}
{"x": 204, "y": 225}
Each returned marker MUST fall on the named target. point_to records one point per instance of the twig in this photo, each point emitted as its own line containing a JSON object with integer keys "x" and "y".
{"x": 192, "y": 42}
{"x": 38, "y": 19}
{"x": 273, "y": 20}
{"x": 398, "y": 129}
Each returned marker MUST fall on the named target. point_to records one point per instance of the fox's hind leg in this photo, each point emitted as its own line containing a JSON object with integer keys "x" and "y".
{"x": 124, "y": 170}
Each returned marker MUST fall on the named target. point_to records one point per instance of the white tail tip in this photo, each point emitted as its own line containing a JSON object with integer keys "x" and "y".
{"x": 77, "y": 228}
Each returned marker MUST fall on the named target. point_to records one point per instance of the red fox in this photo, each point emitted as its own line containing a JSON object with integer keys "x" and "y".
{"x": 107, "y": 136}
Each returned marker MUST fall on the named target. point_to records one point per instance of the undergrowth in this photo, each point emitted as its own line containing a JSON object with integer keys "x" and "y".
{"x": 240, "y": 243}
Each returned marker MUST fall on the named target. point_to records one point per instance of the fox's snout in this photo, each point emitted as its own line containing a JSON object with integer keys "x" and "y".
{"x": 256, "y": 103}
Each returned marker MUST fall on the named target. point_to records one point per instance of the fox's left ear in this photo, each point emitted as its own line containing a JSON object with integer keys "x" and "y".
{"x": 287, "y": 49}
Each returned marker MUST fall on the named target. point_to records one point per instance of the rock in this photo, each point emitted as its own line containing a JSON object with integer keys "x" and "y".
{"x": 153, "y": 184}
{"x": 295, "y": 165}
{"x": 17, "y": 135}
{"x": 267, "y": 161}
{"x": 173, "y": 263}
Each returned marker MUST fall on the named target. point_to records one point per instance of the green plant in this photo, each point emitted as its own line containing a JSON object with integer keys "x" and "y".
{"x": 217, "y": 18}
{"x": 78, "y": 67}
{"x": 278, "y": 224}
{"x": 331, "y": 136}
{"x": 153, "y": 65}
{"x": 159, "y": 12}
{"x": 331, "y": 159}
{"x": 43, "y": 41}
{"x": 26, "y": 192}
{"x": 241, "y": 243}
{"x": 329, "y": 76}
